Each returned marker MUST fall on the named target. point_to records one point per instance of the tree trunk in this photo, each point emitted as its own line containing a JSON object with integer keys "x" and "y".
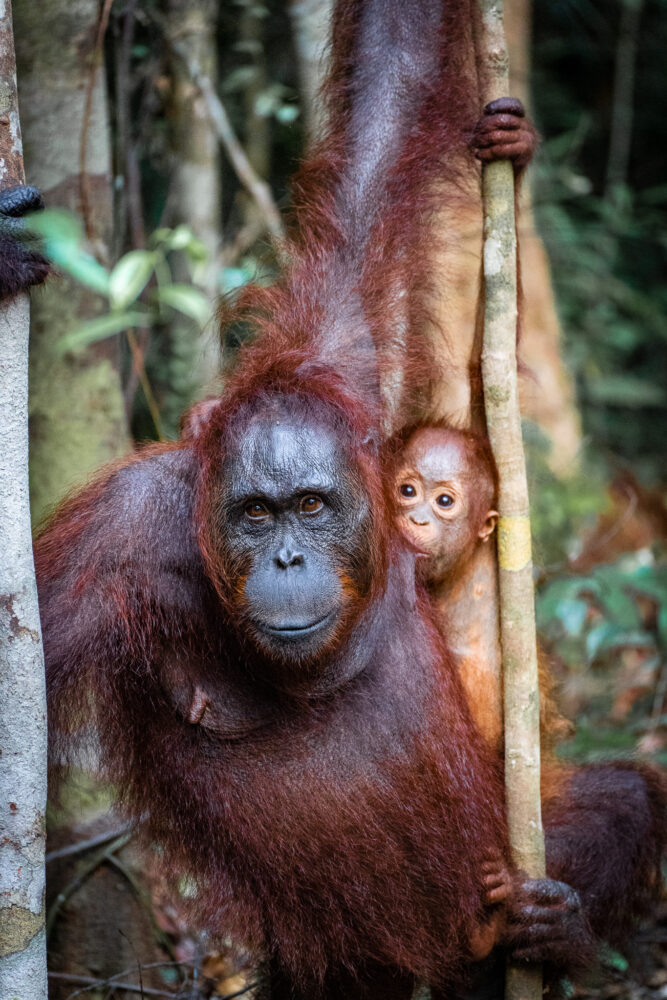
{"x": 546, "y": 390}
{"x": 22, "y": 690}
{"x": 195, "y": 189}
{"x": 311, "y": 20}
{"x": 257, "y": 127}
{"x": 76, "y": 407}
{"x": 515, "y": 568}
{"x": 77, "y": 416}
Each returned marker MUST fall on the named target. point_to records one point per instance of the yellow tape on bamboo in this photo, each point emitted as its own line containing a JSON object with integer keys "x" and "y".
{"x": 514, "y": 548}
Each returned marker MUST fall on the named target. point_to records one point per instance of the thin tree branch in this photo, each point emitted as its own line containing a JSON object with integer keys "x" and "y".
{"x": 85, "y": 845}
{"x": 111, "y": 981}
{"x": 515, "y": 567}
{"x": 84, "y": 184}
{"x": 257, "y": 188}
{"x": 624, "y": 84}
{"x": 91, "y": 983}
{"x": 139, "y": 368}
{"x": 85, "y": 870}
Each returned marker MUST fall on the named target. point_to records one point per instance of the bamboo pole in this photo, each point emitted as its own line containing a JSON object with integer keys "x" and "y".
{"x": 22, "y": 694}
{"x": 515, "y": 568}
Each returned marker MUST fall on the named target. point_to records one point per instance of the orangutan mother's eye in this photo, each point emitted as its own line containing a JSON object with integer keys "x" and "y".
{"x": 311, "y": 505}
{"x": 257, "y": 511}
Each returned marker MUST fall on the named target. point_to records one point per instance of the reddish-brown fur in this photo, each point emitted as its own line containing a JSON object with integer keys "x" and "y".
{"x": 340, "y": 833}
{"x": 318, "y": 828}
{"x": 339, "y": 828}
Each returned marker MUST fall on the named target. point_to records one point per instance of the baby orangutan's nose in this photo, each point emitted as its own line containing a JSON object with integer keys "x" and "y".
{"x": 419, "y": 519}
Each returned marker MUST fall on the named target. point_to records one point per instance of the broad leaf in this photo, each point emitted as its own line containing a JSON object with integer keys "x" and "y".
{"x": 187, "y": 300}
{"x": 103, "y": 326}
{"x": 130, "y": 276}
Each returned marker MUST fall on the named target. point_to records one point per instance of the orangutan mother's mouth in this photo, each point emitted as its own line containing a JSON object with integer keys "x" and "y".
{"x": 296, "y": 631}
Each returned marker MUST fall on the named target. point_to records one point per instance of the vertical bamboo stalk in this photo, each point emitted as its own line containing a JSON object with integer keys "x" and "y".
{"x": 515, "y": 568}
{"x": 22, "y": 694}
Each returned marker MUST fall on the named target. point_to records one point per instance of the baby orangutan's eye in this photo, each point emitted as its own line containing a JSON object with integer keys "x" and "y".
{"x": 444, "y": 500}
{"x": 408, "y": 491}
{"x": 257, "y": 511}
{"x": 310, "y": 505}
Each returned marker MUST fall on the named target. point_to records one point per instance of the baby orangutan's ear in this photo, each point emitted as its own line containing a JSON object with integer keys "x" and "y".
{"x": 489, "y": 526}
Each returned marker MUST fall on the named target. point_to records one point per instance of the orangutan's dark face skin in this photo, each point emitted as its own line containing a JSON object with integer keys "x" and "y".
{"x": 443, "y": 505}
{"x": 296, "y": 517}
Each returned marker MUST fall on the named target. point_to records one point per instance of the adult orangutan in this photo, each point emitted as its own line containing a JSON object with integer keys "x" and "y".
{"x": 236, "y": 616}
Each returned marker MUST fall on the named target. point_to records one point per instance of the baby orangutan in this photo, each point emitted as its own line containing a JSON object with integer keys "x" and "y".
{"x": 445, "y": 489}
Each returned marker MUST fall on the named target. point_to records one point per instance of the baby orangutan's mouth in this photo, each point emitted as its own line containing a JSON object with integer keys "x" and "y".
{"x": 416, "y": 536}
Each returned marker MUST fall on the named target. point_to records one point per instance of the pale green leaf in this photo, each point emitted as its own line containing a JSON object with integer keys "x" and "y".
{"x": 80, "y": 265}
{"x": 62, "y": 237}
{"x": 130, "y": 276}
{"x": 103, "y": 326}
{"x": 187, "y": 300}
{"x": 287, "y": 113}
{"x": 56, "y": 224}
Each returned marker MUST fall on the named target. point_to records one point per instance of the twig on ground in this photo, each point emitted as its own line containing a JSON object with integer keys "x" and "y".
{"x": 85, "y": 845}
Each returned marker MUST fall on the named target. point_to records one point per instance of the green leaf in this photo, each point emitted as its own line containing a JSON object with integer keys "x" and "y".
{"x": 662, "y": 626}
{"x": 248, "y": 46}
{"x": 82, "y": 267}
{"x": 180, "y": 238}
{"x": 62, "y": 236}
{"x": 233, "y": 277}
{"x": 187, "y": 300}
{"x": 652, "y": 581}
{"x": 130, "y": 276}
{"x": 103, "y": 326}
{"x": 287, "y": 113}
{"x": 625, "y": 390}
{"x": 607, "y": 637}
{"x": 612, "y": 958}
{"x": 617, "y": 605}
{"x": 572, "y": 615}
{"x": 161, "y": 235}
{"x": 56, "y": 224}
{"x": 239, "y": 79}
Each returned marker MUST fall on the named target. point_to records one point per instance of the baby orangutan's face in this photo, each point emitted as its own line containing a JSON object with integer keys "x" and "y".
{"x": 442, "y": 502}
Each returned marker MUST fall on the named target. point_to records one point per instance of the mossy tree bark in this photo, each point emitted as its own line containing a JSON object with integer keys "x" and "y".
{"x": 194, "y": 199}
{"x": 501, "y": 401}
{"x": 77, "y": 410}
{"x": 77, "y": 416}
{"x": 22, "y": 690}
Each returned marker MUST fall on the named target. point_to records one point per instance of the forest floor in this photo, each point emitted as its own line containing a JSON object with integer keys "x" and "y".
{"x": 643, "y": 976}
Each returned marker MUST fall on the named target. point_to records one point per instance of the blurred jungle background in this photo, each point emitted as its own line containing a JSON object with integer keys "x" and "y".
{"x": 163, "y": 136}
